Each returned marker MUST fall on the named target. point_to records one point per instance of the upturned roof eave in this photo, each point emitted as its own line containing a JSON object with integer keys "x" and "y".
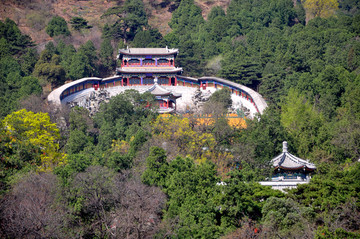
{"x": 129, "y": 70}
{"x": 148, "y": 51}
{"x": 295, "y": 168}
{"x": 279, "y": 161}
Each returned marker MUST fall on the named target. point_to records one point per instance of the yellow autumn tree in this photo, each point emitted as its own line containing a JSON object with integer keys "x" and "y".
{"x": 176, "y": 135}
{"x": 35, "y": 129}
{"x": 320, "y": 8}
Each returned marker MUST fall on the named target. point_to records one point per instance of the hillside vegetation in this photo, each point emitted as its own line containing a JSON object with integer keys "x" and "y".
{"x": 127, "y": 172}
{"x": 33, "y": 16}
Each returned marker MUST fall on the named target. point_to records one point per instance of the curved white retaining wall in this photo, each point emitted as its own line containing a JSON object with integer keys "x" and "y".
{"x": 80, "y": 88}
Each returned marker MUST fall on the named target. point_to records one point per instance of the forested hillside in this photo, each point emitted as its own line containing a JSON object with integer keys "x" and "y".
{"x": 127, "y": 172}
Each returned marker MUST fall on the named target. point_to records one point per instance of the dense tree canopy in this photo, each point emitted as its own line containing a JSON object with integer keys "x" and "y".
{"x": 131, "y": 18}
{"x": 127, "y": 172}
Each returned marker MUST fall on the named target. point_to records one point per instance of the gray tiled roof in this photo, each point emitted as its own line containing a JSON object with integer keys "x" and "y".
{"x": 148, "y": 51}
{"x": 149, "y": 69}
{"x": 288, "y": 161}
{"x": 156, "y": 89}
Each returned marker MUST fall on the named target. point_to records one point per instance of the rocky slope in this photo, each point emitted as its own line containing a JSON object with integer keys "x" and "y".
{"x": 33, "y": 15}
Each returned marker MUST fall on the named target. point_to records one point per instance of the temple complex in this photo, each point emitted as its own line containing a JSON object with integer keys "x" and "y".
{"x": 289, "y": 170}
{"x": 154, "y": 70}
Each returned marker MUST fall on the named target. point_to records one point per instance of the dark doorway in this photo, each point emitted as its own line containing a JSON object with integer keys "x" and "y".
{"x": 173, "y": 81}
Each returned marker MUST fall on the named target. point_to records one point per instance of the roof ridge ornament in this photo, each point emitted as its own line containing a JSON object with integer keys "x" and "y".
{"x": 285, "y": 147}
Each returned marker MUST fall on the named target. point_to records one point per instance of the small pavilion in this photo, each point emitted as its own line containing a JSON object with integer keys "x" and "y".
{"x": 289, "y": 170}
{"x": 289, "y": 167}
{"x": 165, "y": 99}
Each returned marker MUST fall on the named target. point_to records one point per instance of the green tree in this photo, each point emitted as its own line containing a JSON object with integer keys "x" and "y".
{"x": 66, "y": 56}
{"x": 83, "y": 63}
{"x": 79, "y": 23}
{"x": 285, "y": 218}
{"x": 76, "y": 163}
{"x": 132, "y": 17}
{"x": 157, "y": 167}
{"x": 57, "y": 26}
{"x": 223, "y": 97}
{"x": 16, "y": 42}
{"x": 243, "y": 72}
{"x": 29, "y": 85}
{"x": 28, "y": 61}
{"x": 49, "y": 69}
{"x": 302, "y": 122}
{"x": 14, "y": 87}
{"x": 123, "y": 116}
{"x": 4, "y": 48}
{"x": 77, "y": 141}
{"x": 107, "y": 55}
{"x": 148, "y": 38}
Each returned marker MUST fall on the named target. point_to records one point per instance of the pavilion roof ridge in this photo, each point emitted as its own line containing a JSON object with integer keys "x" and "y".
{"x": 149, "y": 51}
{"x": 150, "y": 69}
{"x": 288, "y": 160}
{"x": 157, "y": 89}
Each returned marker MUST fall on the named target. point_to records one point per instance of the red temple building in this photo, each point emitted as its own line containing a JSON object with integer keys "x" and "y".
{"x": 153, "y": 67}
{"x": 141, "y": 66}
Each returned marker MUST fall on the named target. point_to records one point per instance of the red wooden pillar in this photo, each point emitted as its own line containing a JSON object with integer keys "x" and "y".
{"x": 175, "y": 81}
{"x": 169, "y": 81}
{"x": 122, "y": 82}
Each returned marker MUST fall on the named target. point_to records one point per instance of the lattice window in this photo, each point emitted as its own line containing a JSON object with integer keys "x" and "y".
{"x": 134, "y": 61}
{"x": 134, "y": 81}
{"x": 163, "y": 61}
{"x": 149, "y": 61}
{"x": 148, "y": 81}
{"x": 163, "y": 81}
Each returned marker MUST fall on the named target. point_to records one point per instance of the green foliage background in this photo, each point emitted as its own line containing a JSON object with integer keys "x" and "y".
{"x": 307, "y": 71}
